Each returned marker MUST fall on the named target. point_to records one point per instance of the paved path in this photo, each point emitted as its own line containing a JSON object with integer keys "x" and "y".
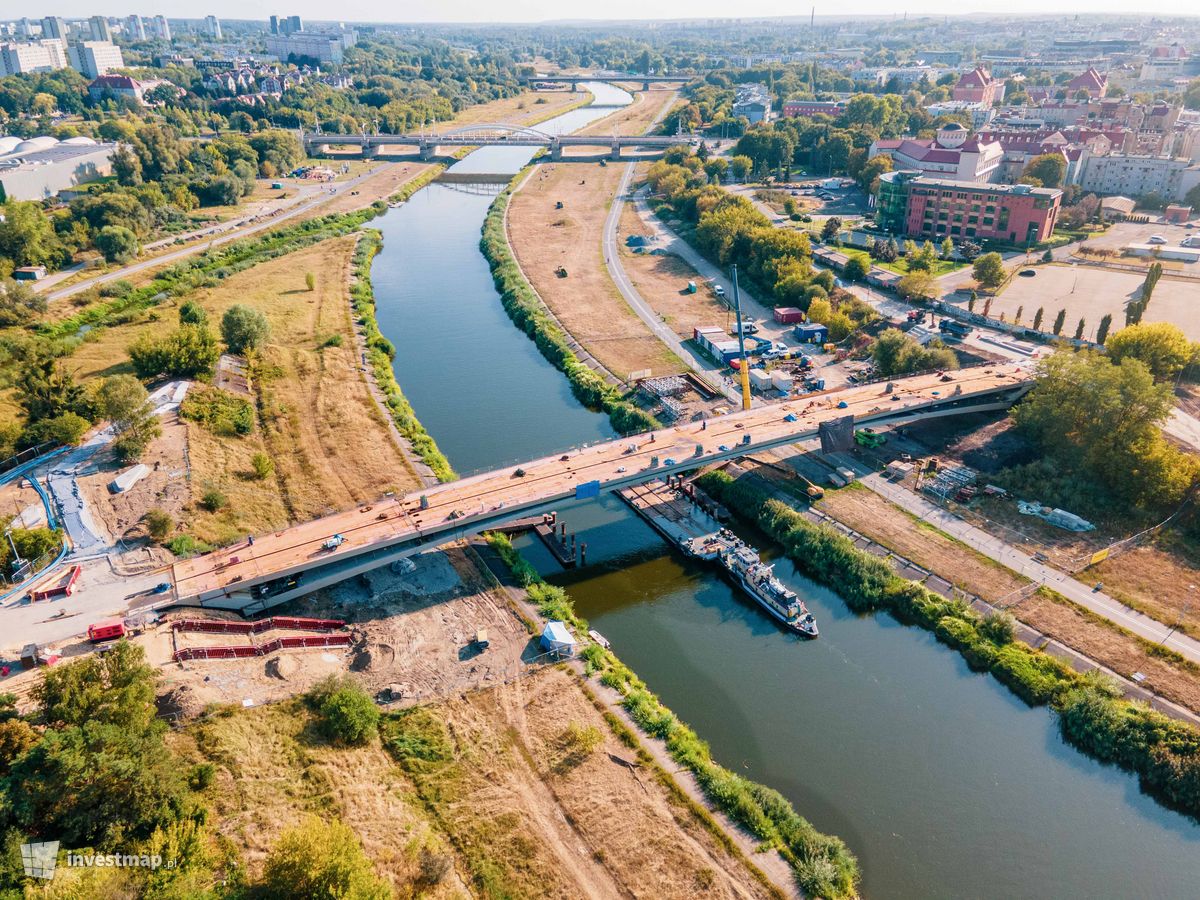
{"x": 996, "y": 549}
{"x": 271, "y": 221}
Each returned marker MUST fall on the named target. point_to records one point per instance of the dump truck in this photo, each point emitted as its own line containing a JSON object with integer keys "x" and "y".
{"x": 956, "y": 328}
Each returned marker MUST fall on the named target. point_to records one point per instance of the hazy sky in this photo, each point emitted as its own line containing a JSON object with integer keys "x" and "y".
{"x": 542, "y": 10}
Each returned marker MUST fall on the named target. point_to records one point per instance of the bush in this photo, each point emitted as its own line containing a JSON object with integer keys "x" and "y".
{"x": 213, "y": 500}
{"x": 190, "y": 351}
{"x": 348, "y": 714}
{"x": 219, "y": 411}
{"x": 320, "y": 859}
{"x": 185, "y": 545}
{"x": 263, "y": 466}
{"x": 158, "y": 524}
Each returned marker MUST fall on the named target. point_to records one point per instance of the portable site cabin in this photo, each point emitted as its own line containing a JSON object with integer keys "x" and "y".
{"x": 812, "y": 333}
{"x": 558, "y": 640}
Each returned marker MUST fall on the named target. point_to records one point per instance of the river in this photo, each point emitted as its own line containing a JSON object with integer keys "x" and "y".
{"x": 942, "y": 781}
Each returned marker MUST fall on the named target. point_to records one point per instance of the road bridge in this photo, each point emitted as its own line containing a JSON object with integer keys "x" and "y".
{"x": 611, "y": 78}
{"x": 273, "y": 568}
{"x": 487, "y": 134}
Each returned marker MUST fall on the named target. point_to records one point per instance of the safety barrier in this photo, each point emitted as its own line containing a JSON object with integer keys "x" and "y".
{"x": 253, "y": 650}
{"x": 282, "y": 623}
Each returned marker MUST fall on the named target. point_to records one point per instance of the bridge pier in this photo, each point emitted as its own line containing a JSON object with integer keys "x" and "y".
{"x": 645, "y": 86}
{"x": 428, "y": 150}
{"x": 370, "y": 151}
{"x": 556, "y": 151}
{"x": 615, "y": 153}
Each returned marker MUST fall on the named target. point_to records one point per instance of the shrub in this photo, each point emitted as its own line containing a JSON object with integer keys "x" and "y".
{"x": 320, "y": 859}
{"x": 348, "y": 714}
{"x": 310, "y": 281}
{"x": 186, "y": 545}
{"x": 158, "y": 524}
{"x": 263, "y": 466}
{"x": 214, "y": 500}
{"x": 244, "y": 329}
{"x": 219, "y": 411}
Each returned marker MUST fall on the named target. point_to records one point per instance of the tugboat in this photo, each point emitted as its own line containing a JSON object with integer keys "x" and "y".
{"x": 756, "y": 579}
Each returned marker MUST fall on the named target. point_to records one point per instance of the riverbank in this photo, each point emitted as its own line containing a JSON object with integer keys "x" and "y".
{"x": 822, "y": 865}
{"x": 1165, "y": 754}
{"x": 521, "y": 303}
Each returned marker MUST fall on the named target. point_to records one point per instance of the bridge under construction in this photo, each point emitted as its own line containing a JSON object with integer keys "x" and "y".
{"x": 273, "y": 568}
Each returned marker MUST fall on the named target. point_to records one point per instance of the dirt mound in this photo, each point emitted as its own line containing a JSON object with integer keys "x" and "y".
{"x": 282, "y": 667}
{"x": 181, "y": 704}
{"x": 374, "y": 658}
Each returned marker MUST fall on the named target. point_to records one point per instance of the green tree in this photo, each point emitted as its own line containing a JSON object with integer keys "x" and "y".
{"x": 263, "y": 466}
{"x": 348, "y": 714}
{"x": 124, "y": 402}
{"x": 1037, "y": 318}
{"x": 27, "y": 237}
{"x": 19, "y": 303}
{"x": 741, "y": 166}
{"x": 1102, "y": 330}
{"x": 947, "y": 248}
{"x": 830, "y": 229}
{"x": 117, "y": 243}
{"x": 856, "y": 268}
{"x": 244, "y": 328}
{"x": 1059, "y": 321}
{"x": 310, "y": 281}
{"x": 190, "y": 351}
{"x": 1080, "y": 328}
{"x": 916, "y": 286}
{"x": 868, "y": 176}
{"x": 1048, "y": 169}
{"x": 896, "y": 353}
{"x": 716, "y": 168}
{"x": 989, "y": 270}
{"x": 192, "y": 313}
{"x": 1163, "y": 348}
{"x": 159, "y": 524}
{"x": 321, "y": 859}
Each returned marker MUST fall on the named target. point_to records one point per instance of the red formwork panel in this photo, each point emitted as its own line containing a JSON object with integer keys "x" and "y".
{"x": 252, "y": 650}
{"x": 285, "y": 623}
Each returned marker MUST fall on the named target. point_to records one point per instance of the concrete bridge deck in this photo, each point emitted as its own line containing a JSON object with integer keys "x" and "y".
{"x": 292, "y": 562}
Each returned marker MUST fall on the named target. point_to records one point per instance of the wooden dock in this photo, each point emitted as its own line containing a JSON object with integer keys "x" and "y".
{"x": 561, "y": 547}
{"x": 671, "y": 511}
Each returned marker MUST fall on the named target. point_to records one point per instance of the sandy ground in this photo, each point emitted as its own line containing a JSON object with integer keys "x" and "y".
{"x": 661, "y": 280}
{"x": 165, "y": 486}
{"x": 377, "y": 187}
{"x": 586, "y": 301}
{"x": 635, "y": 118}
{"x": 1091, "y": 292}
{"x": 18, "y": 499}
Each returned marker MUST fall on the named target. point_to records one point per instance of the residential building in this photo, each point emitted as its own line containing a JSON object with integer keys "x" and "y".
{"x": 212, "y": 27}
{"x": 753, "y": 102}
{"x": 917, "y": 206}
{"x": 286, "y": 24}
{"x": 40, "y": 167}
{"x": 165, "y": 60}
{"x": 33, "y": 56}
{"x": 903, "y": 75}
{"x": 980, "y": 115}
{"x": 324, "y": 47}
{"x": 940, "y": 57}
{"x": 1091, "y": 81}
{"x": 1168, "y": 63}
{"x": 978, "y": 86}
{"x": 953, "y": 154}
{"x": 1135, "y": 176}
{"x": 806, "y": 109}
{"x": 54, "y": 27}
{"x": 127, "y": 87}
{"x": 92, "y": 59}
{"x": 135, "y": 28}
{"x": 159, "y": 28}
{"x": 99, "y": 29}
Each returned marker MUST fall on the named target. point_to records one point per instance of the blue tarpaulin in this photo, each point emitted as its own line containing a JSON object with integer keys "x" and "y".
{"x": 587, "y": 489}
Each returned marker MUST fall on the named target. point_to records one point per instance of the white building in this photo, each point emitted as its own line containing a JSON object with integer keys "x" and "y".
{"x": 159, "y": 28}
{"x": 54, "y": 27}
{"x": 92, "y": 59}
{"x": 135, "y": 29}
{"x": 34, "y": 56}
{"x": 99, "y": 28}
{"x": 40, "y": 167}
{"x": 953, "y": 154}
{"x": 212, "y": 27}
{"x": 1136, "y": 176}
{"x": 321, "y": 46}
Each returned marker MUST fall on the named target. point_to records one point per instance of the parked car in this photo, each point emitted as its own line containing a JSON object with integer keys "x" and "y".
{"x": 1156, "y": 239}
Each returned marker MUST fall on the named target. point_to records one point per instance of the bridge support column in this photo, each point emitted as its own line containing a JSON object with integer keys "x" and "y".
{"x": 370, "y": 151}
{"x": 427, "y": 150}
{"x": 556, "y": 152}
{"x": 320, "y": 150}
{"x": 615, "y": 153}
{"x": 645, "y": 86}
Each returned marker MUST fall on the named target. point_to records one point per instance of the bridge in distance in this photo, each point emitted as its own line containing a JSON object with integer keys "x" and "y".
{"x": 609, "y": 78}
{"x": 287, "y": 564}
{"x": 488, "y": 134}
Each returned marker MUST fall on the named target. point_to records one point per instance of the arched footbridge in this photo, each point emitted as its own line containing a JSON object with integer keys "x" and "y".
{"x": 277, "y": 567}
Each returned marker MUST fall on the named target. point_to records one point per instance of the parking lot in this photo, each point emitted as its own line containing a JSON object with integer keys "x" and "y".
{"x": 1122, "y": 234}
{"x": 1091, "y": 292}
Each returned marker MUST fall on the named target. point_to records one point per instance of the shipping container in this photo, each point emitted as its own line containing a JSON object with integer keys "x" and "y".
{"x": 789, "y": 315}
{"x": 782, "y": 381}
{"x": 106, "y": 630}
{"x": 760, "y": 380}
{"x": 811, "y": 333}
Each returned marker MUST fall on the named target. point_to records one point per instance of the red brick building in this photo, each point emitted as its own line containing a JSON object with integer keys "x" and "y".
{"x": 1091, "y": 81}
{"x": 806, "y": 109}
{"x": 978, "y": 86}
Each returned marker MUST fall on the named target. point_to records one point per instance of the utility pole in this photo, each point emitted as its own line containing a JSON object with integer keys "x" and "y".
{"x": 744, "y": 367}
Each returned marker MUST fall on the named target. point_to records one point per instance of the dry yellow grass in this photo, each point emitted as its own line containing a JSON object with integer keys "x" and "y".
{"x": 1162, "y": 579}
{"x": 274, "y": 768}
{"x": 330, "y": 443}
{"x": 635, "y": 118}
{"x": 586, "y": 301}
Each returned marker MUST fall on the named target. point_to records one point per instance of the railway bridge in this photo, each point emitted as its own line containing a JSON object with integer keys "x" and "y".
{"x": 486, "y": 134}
{"x": 273, "y": 568}
{"x": 608, "y": 78}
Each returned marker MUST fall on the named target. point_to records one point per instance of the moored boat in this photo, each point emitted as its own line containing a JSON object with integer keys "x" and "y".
{"x": 757, "y": 579}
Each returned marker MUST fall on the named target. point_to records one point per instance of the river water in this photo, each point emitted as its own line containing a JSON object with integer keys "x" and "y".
{"x": 942, "y": 781}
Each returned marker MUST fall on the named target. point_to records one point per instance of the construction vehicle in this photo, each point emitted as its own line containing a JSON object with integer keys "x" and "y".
{"x": 813, "y": 491}
{"x": 561, "y": 271}
{"x": 334, "y": 542}
{"x": 958, "y": 329}
{"x": 869, "y": 438}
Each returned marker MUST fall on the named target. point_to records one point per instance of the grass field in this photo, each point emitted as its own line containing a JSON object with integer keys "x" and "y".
{"x": 329, "y": 441}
